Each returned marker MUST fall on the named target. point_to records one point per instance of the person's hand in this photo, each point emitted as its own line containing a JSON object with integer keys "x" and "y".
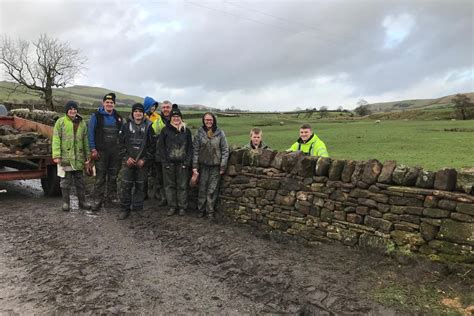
{"x": 57, "y": 161}
{"x": 195, "y": 171}
{"x": 95, "y": 154}
{"x": 131, "y": 162}
{"x": 140, "y": 163}
{"x": 222, "y": 171}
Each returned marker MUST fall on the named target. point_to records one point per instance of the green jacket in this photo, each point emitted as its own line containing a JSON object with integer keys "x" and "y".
{"x": 72, "y": 147}
{"x": 313, "y": 147}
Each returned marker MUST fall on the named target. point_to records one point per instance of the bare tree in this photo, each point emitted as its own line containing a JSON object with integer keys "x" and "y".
{"x": 463, "y": 106}
{"x": 323, "y": 111}
{"x": 49, "y": 64}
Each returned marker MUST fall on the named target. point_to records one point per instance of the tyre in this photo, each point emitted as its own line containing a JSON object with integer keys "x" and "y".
{"x": 50, "y": 184}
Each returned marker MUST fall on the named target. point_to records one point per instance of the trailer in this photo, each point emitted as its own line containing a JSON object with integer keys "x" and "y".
{"x": 14, "y": 166}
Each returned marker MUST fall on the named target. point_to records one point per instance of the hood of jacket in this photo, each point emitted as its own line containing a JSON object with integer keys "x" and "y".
{"x": 148, "y": 103}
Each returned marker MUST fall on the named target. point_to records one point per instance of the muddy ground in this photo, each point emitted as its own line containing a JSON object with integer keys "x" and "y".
{"x": 78, "y": 262}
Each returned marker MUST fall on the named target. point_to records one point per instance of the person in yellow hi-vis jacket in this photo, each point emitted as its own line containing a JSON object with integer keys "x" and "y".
{"x": 70, "y": 152}
{"x": 309, "y": 143}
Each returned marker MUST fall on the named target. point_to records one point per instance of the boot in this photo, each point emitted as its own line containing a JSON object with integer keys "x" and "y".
{"x": 201, "y": 214}
{"x": 65, "y": 194}
{"x": 124, "y": 213}
{"x": 181, "y": 212}
{"x": 211, "y": 217}
{"x": 171, "y": 212}
{"x": 83, "y": 204}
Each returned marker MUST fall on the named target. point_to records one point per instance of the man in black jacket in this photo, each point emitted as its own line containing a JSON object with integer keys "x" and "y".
{"x": 175, "y": 152}
{"x": 136, "y": 150}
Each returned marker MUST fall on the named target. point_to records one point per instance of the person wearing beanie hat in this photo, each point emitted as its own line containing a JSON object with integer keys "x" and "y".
{"x": 109, "y": 96}
{"x": 210, "y": 156}
{"x": 176, "y": 150}
{"x": 136, "y": 142}
{"x": 70, "y": 151}
{"x": 71, "y": 104}
{"x": 104, "y": 126}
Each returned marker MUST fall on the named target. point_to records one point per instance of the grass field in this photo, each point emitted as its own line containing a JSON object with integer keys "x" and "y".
{"x": 414, "y": 143}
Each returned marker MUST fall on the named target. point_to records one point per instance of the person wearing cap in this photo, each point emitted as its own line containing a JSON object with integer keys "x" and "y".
{"x": 210, "y": 155}
{"x": 104, "y": 126}
{"x": 175, "y": 152}
{"x": 136, "y": 151}
{"x": 256, "y": 140}
{"x": 309, "y": 143}
{"x": 70, "y": 151}
{"x": 158, "y": 125}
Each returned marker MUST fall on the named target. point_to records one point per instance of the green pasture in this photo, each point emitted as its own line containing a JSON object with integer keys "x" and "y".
{"x": 415, "y": 143}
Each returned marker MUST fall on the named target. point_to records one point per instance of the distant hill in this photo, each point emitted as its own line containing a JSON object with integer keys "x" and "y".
{"x": 417, "y": 104}
{"x": 81, "y": 94}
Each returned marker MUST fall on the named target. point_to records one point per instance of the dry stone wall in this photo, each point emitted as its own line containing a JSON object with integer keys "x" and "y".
{"x": 358, "y": 203}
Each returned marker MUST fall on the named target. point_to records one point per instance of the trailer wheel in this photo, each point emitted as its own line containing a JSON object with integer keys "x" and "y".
{"x": 50, "y": 184}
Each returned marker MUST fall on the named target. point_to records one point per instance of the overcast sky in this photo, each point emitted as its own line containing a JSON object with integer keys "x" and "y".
{"x": 262, "y": 55}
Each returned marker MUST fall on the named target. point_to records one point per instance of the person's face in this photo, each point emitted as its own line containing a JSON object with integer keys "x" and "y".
{"x": 72, "y": 113}
{"x": 305, "y": 133}
{"x": 176, "y": 120}
{"x": 137, "y": 115}
{"x": 208, "y": 121}
{"x": 256, "y": 139}
{"x": 108, "y": 105}
{"x": 152, "y": 109}
{"x": 166, "y": 109}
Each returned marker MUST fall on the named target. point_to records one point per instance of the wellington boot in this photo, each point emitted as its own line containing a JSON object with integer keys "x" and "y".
{"x": 96, "y": 207}
{"x": 83, "y": 204}
{"x": 66, "y": 200}
{"x": 181, "y": 212}
{"x": 171, "y": 212}
{"x": 201, "y": 214}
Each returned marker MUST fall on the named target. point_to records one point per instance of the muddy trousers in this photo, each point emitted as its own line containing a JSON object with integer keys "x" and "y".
{"x": 107, "y": 169}
{"x": 132, "y": 188}
{"x": 209, "y": 178}
{"x": 76, "y": 178}
{"x": 155, "y": 179}
{"x": 176, "y": 178}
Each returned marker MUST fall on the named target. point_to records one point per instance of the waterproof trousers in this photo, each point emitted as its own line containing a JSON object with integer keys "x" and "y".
{"x": 132, "y": 188}
{"x": 209, "y": 179}
{"x": 175, "y": 180}
{"x": 107, "y": 170}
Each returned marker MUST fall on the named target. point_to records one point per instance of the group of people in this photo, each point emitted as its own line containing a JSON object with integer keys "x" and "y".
{"x": 152, "y": 147}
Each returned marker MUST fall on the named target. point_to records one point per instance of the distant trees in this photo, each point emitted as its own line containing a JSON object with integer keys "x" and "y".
{"x": 48, "y": 64}
{"x": 363, "y": 108}
{"x": 463, "y": 106}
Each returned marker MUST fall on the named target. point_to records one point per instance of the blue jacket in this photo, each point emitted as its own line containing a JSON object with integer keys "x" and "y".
{"x": 109, "y": 119}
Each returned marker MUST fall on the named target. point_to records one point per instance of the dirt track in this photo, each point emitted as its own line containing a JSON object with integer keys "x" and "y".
{"x": 52, "y": 261}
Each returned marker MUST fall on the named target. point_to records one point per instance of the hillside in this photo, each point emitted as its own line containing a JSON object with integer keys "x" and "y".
{"x": 416, "y": 104}
{"x": 82, "y": 94}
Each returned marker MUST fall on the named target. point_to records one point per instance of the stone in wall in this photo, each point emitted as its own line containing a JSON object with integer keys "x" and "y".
{"x": 465, "y": 208}
{"x": 399, "y": 174}
{"x": 266, "y": 158}
{"x": 290, "y": 159}
{"x": 371, "y": 171}
{"x": 278, "y": 160}
{"x": 335, "y": 170}
{"x": 458, "y": 232}
{"x": 411, "y": 176}
{"x": 445, "y": 179}
{"x": 425, "y": 179}
{"x": 386, "y": 172}
{"x": 358, "y": 171}
{"x": 348, "y": 170}
{"x": 322, "y": 166}
{"x": 305, "y": 166}
{"x": 465, "y": 181}
{"x": 375, "y": 243}
{"x": 235, "y": 157}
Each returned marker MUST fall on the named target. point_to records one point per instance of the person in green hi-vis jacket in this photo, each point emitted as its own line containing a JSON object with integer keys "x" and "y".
{"x": 309, "y": 143}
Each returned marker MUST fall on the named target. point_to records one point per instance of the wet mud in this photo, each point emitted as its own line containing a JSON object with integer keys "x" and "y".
{"x": 80, "y": 262}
